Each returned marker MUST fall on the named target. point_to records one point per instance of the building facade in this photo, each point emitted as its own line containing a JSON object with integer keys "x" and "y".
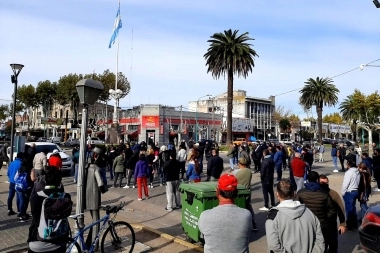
{"x": 252, "y": 116}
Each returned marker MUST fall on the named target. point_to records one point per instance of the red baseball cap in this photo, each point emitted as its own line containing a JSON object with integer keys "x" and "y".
{"x": 227, "y": 182}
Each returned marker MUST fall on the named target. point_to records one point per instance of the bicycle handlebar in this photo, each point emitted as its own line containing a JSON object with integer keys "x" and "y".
{"x": 113, "y": 209}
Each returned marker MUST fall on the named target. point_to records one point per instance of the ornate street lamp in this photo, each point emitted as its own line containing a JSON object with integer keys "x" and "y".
{"x": 88, "y": 92}
{"x": 16, "y": 68}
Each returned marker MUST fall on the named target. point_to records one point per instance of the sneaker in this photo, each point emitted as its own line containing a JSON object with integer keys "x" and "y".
{"x": 336, "y": 171}
{"x": 11, "y": 212}
{"x": 161, "y": 185}
{"x": 264, "y": 208}
{"x": 75, "y": 181}
{"x": 178, "y": 207}
{"x": 139, "y": 199}
{"x": 24, "y": 218}
{"x": 151, "y": 186}
{"x": 112, "y": 187}
{"x": 126, "y": 187}
{"x": 133, "y": 187}
{"x": 376, "y": 190}
{"x": 168, "y": 209}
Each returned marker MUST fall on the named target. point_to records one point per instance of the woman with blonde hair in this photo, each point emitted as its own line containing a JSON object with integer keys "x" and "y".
{"x": 193, "y": 168}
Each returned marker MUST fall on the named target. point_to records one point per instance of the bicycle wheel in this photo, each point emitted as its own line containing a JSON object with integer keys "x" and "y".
{"x": 72, "y": 246}
{"x": 119, "y": 238}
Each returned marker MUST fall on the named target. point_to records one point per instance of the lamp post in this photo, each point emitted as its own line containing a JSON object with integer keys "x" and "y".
{"x": 16, "y": 68}
{"x": 376, "y": 3}
{"x": 196, "y": 117}
{"x": 116, "y": 94}
{"x": 88, "y": 92}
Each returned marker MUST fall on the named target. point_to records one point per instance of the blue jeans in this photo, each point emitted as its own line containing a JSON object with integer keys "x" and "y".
{"x": 111, "y": 171}
{"x": 11, "y": 195}
{"x": 279, "y": 171}
{"x": 232, "y": 163}
{"x": 76, "y": 172}
{"x": 335, "y": 162}
{"x": 162, "y": 175}
{"x": 103, "y": 175}
{"x": 350, "y": 205}
{"x": 21, "y": 205}
{"x": 364, "y": 208}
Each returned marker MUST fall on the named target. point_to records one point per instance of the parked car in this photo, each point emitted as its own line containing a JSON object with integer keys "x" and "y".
{"x": 94, "y": 141}
{"x": 41, "y": 146}
{"x": 274, "y": 141}
{"x": 71, "y": 142}
{"x": 42, "y": 139}
{"x": 326, "y": 141}
{"x": 287, "y": 141}
{"x": 306, "y": 143}
{"x": 56, "y": 140}
{"x": 369, "y": 231}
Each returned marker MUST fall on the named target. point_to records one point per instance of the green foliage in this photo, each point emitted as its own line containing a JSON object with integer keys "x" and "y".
{"x": 108, "y": 79}
{"x": 230, "y": 53}
{"x": 19, "y": 108}
{"x": 27, "y": 96}
{"x": 46, "y": 91}
{"x": 285, "y": 125}
{"x": 4, "y": 112}
{"x": 319, "y": 92}
{"x": 66, "y": 89}
{"x": 333, "y": 118}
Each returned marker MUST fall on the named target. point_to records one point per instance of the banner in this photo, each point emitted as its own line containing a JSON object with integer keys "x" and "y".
{"x": 344, "y": 129}
{"x": 306, "y": 124}
{"x": 51, "y": 121}
{"x": 150, "y": 121}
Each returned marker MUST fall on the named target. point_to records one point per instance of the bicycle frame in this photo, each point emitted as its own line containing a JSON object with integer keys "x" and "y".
{"x": 79, "y": 236}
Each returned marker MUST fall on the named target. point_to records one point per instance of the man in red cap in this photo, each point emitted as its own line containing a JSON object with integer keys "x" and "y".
{"x": 226, "y": 221}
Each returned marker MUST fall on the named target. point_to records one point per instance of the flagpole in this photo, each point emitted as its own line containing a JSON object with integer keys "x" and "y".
{"x": 115, "y": 116}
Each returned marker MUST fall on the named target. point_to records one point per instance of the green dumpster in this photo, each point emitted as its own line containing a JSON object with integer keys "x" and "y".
{"x": 198, "y": 197}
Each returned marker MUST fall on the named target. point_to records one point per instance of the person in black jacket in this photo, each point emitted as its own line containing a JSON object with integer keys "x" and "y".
{"x": 130, "y": 164}
{"x": 171, "y": 169}
{"x": 318, "y": 201}
{"x": 341, "y": 155}
{"x": 267, "y": 173}
{"x": 351, "y": 156}
{"x": 214, "y": 167}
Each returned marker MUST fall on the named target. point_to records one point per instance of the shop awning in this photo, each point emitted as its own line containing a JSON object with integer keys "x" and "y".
{"x": 129, "y": 132}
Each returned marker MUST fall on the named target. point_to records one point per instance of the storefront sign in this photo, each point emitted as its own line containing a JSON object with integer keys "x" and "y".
{"x": 52, "y": 121}
{"x": 305, "y": 123}
{"x": 161, "y": 129}
{"x": 150, "y": 121}
{"x": 344, "y": 129}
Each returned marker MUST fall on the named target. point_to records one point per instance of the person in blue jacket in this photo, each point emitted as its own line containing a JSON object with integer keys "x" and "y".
{"x": 278, "y": 162}
{"x": 12, "y": 170}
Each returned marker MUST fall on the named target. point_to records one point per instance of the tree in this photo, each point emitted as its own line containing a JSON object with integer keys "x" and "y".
{"x": 229, "y": 53}
{"x": 284, "y": 125}
{"x": 281, "y": 113}
{"x": 27, "y": 96}
{"x": 4, "y": 112}
{"x": 294, "y": 121}
{"x": 350, "y": 112}
{"x": 319, "y": 92}
{"x": 333, "y": 118}
{"x": 108, "y": 79}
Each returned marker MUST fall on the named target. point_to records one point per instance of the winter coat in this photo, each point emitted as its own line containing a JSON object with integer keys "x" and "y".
{"x": 318, "y": 201}
{"x": 118, "y": 164}
{"x": 171, "y": 169}
{"x": 267, "y": 170}
{"x": 141, "y": 170}
{"x": 278, "y": 158}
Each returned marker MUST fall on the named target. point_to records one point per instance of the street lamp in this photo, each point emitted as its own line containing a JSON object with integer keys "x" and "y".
{"x": 88, "y": 92}
{"x": 115, "y": 94}
{"x": 196, "y": 117}
{"x": 376, "y": 3}
{"x": 16, "y": 68}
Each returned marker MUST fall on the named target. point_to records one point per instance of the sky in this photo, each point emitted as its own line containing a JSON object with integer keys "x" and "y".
{"x": 163, "y": 60}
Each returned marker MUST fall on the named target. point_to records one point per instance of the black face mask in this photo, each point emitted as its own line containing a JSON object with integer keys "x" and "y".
{"x": 325, "y": 187}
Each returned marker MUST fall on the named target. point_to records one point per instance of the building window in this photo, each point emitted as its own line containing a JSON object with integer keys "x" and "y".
{"x": 133, "y": 127}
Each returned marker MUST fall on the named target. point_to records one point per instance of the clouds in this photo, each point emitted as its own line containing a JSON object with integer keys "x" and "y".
{"x": 295, "y": 40}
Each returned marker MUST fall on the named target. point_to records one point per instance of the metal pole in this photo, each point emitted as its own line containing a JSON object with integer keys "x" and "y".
{"x": 106, "y": 131}
{"x": 82, "y": 164}
{"x": 13, "y": 119}
{"x": 181, "y": 128}
{"x": 196, "y": 122}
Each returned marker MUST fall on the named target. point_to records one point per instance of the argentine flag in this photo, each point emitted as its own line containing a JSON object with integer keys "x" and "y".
{"x": 116, "y": 27}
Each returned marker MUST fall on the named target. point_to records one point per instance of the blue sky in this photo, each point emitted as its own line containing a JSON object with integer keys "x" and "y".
{"x": 295, "y": 39}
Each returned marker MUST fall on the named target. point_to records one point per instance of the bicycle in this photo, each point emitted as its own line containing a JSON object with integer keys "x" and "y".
{"x": 111, "y": 239}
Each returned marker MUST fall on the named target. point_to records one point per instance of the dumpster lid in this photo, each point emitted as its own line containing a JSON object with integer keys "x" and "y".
{"x": 207, "y": 189}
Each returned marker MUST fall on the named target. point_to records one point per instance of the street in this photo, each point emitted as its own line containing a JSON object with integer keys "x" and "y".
{"x": 151, "y": 212}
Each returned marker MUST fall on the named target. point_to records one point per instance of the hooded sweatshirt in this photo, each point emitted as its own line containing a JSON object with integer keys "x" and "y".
{"x": 290, "y": 223}
{"x": 351, "y": 180}
{"x": 318, "y": 201}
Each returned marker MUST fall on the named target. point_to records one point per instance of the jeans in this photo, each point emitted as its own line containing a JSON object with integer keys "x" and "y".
{"x": 111, "y": 171}
{"x": 22, "y": 203}
{"x": 268, "y": 189}
{"x": 118, "y": 175}
{"x": 350, "y": 205}
{"x": 335, "y": 162}
{"x": 248, "y": 206}
{"x": 332, "y": 235}
{"x": 279, "y": 171}
{"x": 11, "y": 195}
{"x": 103, "y": 175}
{"x": 299, "y": 182}
{"x": 130, "y": 175}
{"x": 232, "y": 163}
{"x": 172, "y": 194}
{"x": 235, "y": 160}
{"x": 76, "y": 172}
{"x": 162, "y": 175}
{"x": 364, "y": 208}
{"x": 142, "y": 183}
{"x": 341, "y": 159}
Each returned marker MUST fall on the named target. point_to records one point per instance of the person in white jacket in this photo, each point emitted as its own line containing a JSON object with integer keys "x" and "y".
{"x": 182, "y": 157}
{"x": 350, "y": 194}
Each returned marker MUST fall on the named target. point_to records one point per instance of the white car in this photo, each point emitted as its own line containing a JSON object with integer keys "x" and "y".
{"x": 41, "y": 146}
{"x": 94, "y": 141}
{"x": 56, "y": 140}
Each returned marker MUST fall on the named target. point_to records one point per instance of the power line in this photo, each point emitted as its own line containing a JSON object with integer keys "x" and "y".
{"x": 346, "y": 72}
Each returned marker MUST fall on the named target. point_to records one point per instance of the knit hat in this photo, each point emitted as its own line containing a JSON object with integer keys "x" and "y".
{"x": 243, "y": 161}
{"x": 227, "y": 182}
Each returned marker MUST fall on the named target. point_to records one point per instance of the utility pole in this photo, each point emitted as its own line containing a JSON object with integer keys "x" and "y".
{"x": 181, "y": 128}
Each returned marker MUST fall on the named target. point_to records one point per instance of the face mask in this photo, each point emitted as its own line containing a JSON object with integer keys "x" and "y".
{"x": 325, "y": 187}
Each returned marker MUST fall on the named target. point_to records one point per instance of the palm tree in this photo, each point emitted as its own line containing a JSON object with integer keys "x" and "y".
{"x": 348, "y": 109}
{"x": 319, "y": 92}
{"x": 230, "y": 53}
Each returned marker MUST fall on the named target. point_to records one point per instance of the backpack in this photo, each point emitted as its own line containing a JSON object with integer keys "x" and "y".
{"x": 53, "y": 224}
{"x": 21, "y": 183}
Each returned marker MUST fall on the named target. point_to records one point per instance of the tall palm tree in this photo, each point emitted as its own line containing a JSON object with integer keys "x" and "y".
{"x": 349, "y": 110}
{"x": 319, "y": 92}
{"x": 230, "y": 53}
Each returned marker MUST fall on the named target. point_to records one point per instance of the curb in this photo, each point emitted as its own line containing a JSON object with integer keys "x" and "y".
{"x": 168, "y": 237}
{"x": 20, "y": 249}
